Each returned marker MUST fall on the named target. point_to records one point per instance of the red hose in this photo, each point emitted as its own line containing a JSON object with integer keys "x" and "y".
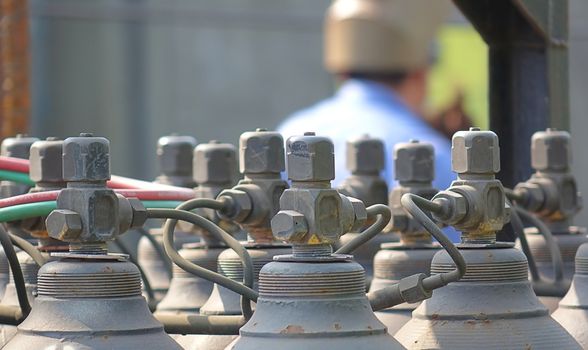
{"x": 157, "y": 195}
{"x": 128, "y": 183}
{"x": 22, "y": 166}
{"x": 14, "y": 164}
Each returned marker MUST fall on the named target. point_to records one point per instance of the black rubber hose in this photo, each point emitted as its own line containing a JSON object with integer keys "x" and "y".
{"x": 19, "y": 281}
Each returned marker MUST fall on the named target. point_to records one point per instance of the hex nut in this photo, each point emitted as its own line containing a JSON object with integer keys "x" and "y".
{"x": 17, "y": 147}
{"x": 46, "y": 161}
{"x": 240, "y": 205}
{"x": 289, "y": 226}
{"x": 414, "y": 161}
{"x": 174, "y": 153}
{"x": 551, "y": 150}
{"x": 412, "y": 290}
{"x": 310, "y": 158}
{"x": 86, "y": 158}
{"x": 215, "y": 163}
{"x": 475, "y": 152}
{"x": 365, "y": 155}
{"x": 456, "y": 204}
{"x": 360, "y": 214}
{"x": 139, "y": 213}
{"x": 64, "y": 225}
{"x": 261, "y": 152}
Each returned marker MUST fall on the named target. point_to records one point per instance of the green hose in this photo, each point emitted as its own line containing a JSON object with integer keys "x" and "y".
{"x": 16, "y": 177}
{"x": 30, "y": 210}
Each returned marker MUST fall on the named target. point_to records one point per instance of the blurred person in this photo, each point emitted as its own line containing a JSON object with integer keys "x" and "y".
{"x": 453, "y": 118}
{"x": 381, "y": 50}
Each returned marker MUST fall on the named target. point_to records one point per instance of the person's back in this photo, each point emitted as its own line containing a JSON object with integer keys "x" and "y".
{"x": 365, "y": 107}
{"x": 381, "y": 49}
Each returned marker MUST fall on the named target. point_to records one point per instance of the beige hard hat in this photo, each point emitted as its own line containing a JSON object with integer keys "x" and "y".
{"x": 372, "y": 36}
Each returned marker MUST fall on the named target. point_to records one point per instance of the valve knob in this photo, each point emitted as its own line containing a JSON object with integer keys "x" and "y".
{"x": 310, "y": 158}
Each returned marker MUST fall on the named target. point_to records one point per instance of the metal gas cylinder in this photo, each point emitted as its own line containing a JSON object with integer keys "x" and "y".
{"x": 174, "y": 155}
{"x": 366, "y": 159}
{"x": 493, "y": 306}
{"x": 414, "y": 164}
{"x": 17, "y": 147}
{"x": 29, "y": 271}
{"x": 552, "y": 194}
{"x": 93, "y": 298}
{"x": 256, "y": 201}
{"x": 45, "y": 163}
{"x": 572, "y": 312}
{"x": 313, "y": 299}
{"x": 215, "y": 169}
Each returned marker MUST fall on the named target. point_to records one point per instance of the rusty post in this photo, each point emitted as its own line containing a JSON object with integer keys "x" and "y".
{"x": 14, "y": 67}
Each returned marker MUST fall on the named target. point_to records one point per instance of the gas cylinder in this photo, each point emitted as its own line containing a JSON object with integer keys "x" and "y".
{"x": 174, "y": 156}
{"x": 414, "y": 164}
{"x": 92, "y": 298}
{"x": 17, "y": 147}
{"x": 552, "y": 194}
{"x": 45, "y": 168}
{"x": 29, "y": 271}
{"x": 366, "y": 157}
{"x": 256, "y": 198}
{"x": 215, "y": 169}
{"x": 572, "y": 312}
{"x": 311, "y": 298}
{"x": 493, "y": 306}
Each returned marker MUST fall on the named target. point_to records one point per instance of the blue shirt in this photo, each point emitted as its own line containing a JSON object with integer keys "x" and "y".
{"x": 364, "y": 107}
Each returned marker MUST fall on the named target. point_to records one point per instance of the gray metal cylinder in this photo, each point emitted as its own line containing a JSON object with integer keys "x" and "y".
{"x": 392, "y": 263}
{"x": 17, "y": 147}
{"x": 568, "y": 244}
{"x": 364, "y": 255}
{"x": 414, "y": 164}
{"x": 366, "y": 160}
{"x": 225, "y": 302}
{"x": 314, "y": 306}
{"x": 187, "y": 293}
{"x": 492, "y": 307}
{"x": 156, "y": 270}
{"x": 96, "y": 304}
{"x": 29, "y": 270}
{"x": 573, "y": 308}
